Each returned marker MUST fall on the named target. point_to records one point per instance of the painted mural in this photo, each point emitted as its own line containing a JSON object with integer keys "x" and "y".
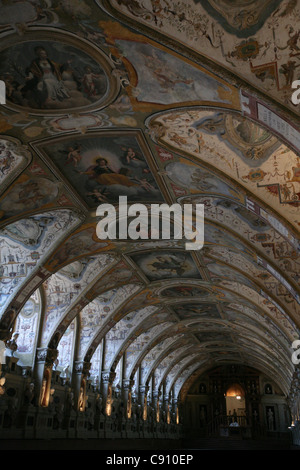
{"x": 63, "y": 292}
{"x": 166, "y": 79}
{"x": 27, "y": 325}
{"x": 65, "y": 351}
{"x": 48, "y": 75}
{"x": 97, "y": 312}
{"x": 25, "y": 244}
{"x": 136, "y": 348}
{"x": 104, "y": 167}
{"x": 165, "y": 264}
{"x": 13, "y": 158}
{"x": 166, "y": 363}
{"x": 271, "y": 173}
{"x": 196, "y": 179}
{"x": 233, "y": 39}
{"x": 196, "y": 310}
{"x": 79, "y": 244}
{"x": 186, "y": 291}
{"x": 29, "y": 194}
{"x": 253, "y": 143}
{"x": 227, "y": 13}
{"x": 221, "y": 271}
{"x": 97, "y": 109}
{"x": 95, "y": 369}
{"x": 121, "y": 331}
{"x": 153, "y": 355}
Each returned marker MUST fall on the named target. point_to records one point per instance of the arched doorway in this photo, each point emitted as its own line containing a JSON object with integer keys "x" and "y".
{"x": 235, "y": 403}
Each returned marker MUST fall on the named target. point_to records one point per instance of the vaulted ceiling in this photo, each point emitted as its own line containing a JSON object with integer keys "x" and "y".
{"x": 200, "y": 93}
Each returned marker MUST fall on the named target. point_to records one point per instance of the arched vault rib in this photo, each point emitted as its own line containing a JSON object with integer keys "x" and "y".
{"x": 243, "y": 216}
{"x": 169, "y": 332}
{"x": 196, "y": 373}
{"x": 116, "y": 274}
{"x": 67, "y": 294}
{"x": 141, "y": 338}
{"x": 171, "y": 362}
{"x": 214, "y": 154}
{"x": 199, "y": 147}
{"x": 265, "y": 305}
{"x": 247, "y": 340}
{"x": 152, "y": 357}
{"x": 218, "y": 234}
{"x": 272, "y": 361}
{"x": 93, "y": 315}
{"x": 190, "y": 30}
{"x": 177, "y": 343}
{"x": 255, "y": 273}
{"x": 187, "y": 336}
{"x": 205, "y": 353}
{"x": 125, "y": 331}
{"x": 122, "y": 349}
{"x": 143, "y": 297}
{"x": 224, "y": 293}
{"x": 239, "y": 301}
{"x": 184, "y": 374}
{"x": 260, "y": 333}
{"x": 235, "y": 336}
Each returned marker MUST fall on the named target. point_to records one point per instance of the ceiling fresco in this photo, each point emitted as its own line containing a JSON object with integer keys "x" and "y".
{"x": 256, "y": 41}
{"x": 162, "y": 102}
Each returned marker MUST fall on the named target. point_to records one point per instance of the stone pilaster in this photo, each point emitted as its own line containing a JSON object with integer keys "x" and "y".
{"x": 45, "y": 358}
{"x": 107, "y": 378}
{"x": 80, "y": 374}
{"x": 126, "y": 394}
{"x": 143, "y": 392}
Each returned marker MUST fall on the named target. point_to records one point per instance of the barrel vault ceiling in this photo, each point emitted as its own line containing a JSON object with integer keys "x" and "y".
{"x": 187, "y": 102}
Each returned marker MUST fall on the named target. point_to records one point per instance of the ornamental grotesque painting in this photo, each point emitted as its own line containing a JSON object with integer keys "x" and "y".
{"x": 50, "y": 74}
{"x": 242, "y": 17}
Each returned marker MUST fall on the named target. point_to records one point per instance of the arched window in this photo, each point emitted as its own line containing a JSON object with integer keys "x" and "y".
{"x": 27, "y": 326}
{"x": 65, "y": 350}
{"x": 95, "y": 370}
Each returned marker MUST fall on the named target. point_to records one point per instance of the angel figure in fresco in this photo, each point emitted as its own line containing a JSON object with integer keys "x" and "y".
{"x": 90, "y": 82}
{"x": 74, "y": 156}
{"x": 97, "y": 195}
{"x": 131, "y": 158}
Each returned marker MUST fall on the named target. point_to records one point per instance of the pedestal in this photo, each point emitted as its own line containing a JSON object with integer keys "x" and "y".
{"x": 27, "y": 421}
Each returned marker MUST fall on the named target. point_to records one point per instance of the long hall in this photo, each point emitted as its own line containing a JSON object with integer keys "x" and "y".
{"x": 149, "y": 224}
